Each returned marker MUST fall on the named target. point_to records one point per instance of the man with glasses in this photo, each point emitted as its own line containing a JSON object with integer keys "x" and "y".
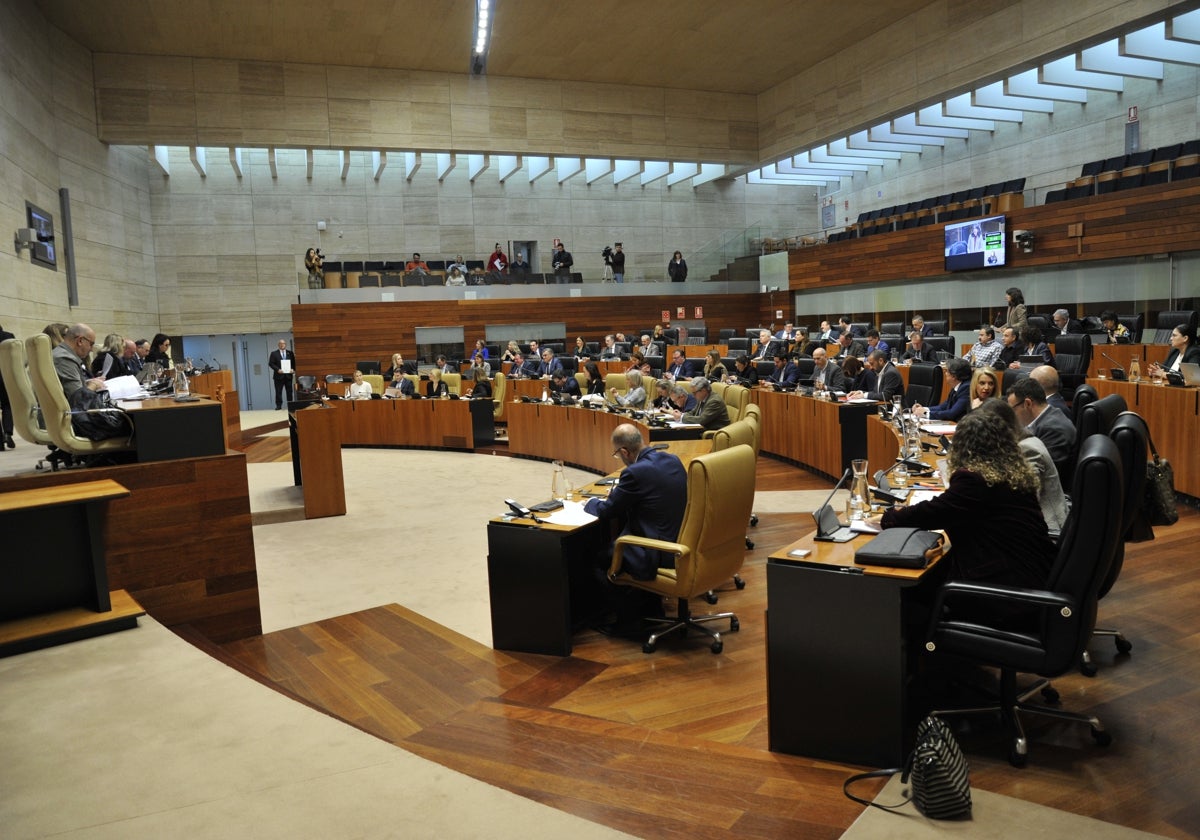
{"x": 648, "y": 501}
{"x": 69, "y": 360}
{"x": 711, "y": 411}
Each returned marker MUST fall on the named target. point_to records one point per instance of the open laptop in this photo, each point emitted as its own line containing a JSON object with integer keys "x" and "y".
{"x": 1191, "y": 373}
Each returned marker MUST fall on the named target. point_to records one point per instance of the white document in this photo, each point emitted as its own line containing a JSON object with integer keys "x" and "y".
{"x": 938, "y": 428}
{"x": 570, "y": 514}
{"x": 123, "y": 387}
{"x": 285, "y": 365}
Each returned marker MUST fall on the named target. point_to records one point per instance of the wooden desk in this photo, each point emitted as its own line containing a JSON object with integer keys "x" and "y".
{"x": 1122, "y": 353}
{"x": 818, "y": 434}
{"x": 54, "y": 575}
{"x": 317, "y": 456}
{"x": 541, "y": 576}
{"x": 842, "y": 647}
{"x": 576, "y": 436}
{"x": 166, "y": 430}
{"x": 1173, "y": 417}
{"x": 438, "y": 424}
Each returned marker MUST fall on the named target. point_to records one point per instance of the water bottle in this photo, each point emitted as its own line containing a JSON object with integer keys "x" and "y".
{"x": 558, "y": 482}
{"x": 1135, "y": 370}
{"x": 545, "y": 395}
{"x": 182, "y": 389}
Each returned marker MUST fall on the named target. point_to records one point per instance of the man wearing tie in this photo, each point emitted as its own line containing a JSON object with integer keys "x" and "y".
{"x": 679, "y": 367}
{"x": 283, "y": 367}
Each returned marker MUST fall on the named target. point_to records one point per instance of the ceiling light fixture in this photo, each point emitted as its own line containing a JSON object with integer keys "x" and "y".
{"x": 484, "y": 14}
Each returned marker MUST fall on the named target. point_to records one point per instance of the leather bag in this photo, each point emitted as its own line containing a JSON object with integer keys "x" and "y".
{"x": 1159, "y": 504}
{"x": 940, "y": 778}
{"x": 905, "y": 548}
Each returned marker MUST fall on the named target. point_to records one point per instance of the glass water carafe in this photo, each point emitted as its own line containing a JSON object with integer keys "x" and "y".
{"x": 860, "y": 493}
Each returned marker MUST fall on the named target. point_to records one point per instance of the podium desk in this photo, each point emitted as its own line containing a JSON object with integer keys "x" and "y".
{"x": 842, "y": 647}
{"x": 165, "y": 430}
{"x": 541, "y": 576}
{"x": 317, "y": 459}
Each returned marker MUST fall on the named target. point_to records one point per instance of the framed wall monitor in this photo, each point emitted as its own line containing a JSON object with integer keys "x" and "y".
{"x": 975, "y": 243}
{"x": 44, "y": 252}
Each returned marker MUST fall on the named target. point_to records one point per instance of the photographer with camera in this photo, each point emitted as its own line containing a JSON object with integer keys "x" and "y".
{"x": 313, "y": 261}
{"x": 614, "y": 263}
{"x": 562, "y": 262}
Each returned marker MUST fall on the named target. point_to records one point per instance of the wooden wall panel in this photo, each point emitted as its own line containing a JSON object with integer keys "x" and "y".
{"x": 1158, "y": 219}
{"x": 181, "y": 543}
{"x": 331, "y": 337}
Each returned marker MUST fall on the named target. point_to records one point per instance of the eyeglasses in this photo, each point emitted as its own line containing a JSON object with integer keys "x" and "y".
{"x": 91, "y": 341}
{"x": 617, "y": 452}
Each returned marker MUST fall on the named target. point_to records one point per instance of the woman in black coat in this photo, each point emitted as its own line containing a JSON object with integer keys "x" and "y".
{"x": 677, "y": 268}
{"x": 1183, "y": 349}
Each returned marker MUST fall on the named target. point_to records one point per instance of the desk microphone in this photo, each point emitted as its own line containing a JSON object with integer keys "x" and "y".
{"x": 1110, "y": 358}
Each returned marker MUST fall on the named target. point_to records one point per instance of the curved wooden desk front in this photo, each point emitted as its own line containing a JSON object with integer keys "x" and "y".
{"x": 822, "y": 435}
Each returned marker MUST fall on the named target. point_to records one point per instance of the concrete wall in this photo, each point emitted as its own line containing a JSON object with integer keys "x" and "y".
{"x": 47, "y": 141}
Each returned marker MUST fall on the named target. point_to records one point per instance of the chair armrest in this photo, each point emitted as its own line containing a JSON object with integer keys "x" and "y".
{"x": 675, "y": 548}
{"x": 708, "y": 434}
{"x": 956, "y": 590}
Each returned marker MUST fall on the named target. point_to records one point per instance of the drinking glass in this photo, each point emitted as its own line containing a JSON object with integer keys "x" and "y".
{"x": 1102, "y": 373}
{"x": 900, "y": 473}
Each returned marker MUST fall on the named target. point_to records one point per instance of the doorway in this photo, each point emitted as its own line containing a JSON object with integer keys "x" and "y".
{"x": 246, "y": 355}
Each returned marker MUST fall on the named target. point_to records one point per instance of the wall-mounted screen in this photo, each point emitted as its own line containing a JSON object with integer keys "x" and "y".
{"x": 976, "y": 243}
{"x": 44, "y": 253}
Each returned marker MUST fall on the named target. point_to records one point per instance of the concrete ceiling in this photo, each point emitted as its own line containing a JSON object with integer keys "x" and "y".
{"x": 735, "y": 47}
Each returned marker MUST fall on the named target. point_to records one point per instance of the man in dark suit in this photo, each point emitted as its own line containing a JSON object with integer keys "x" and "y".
{"x": 1010, "y": 353}
{"x": 786, "y": 373}
{"x": 1051, "y": 427}
{"x": 826, "y": 374}
{"x": 851, "y": 346}
{"x": 1064, "y": 324}
{"x": 919, "y": 325}
{"x": 957, "y": 401}
{"x": 1047, "y": 377}
{"x": 679, "y": 368}
{"x": 550, "y": 363}
{"x": 6, "y": 417}
{"x": 888, "y": 382}
{"x": 682, "y": 399}
{"x": 564, "y": 383}
{"x": 649, "y": 501}
{"x": 918, "y": 350}
{"x": 282, "y": 379}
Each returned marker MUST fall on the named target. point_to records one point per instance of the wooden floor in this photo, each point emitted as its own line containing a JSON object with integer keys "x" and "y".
{"x": 674, "y": 744}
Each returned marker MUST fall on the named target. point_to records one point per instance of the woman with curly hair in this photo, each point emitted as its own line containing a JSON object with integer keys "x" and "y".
{"x": 990, "y": 509}
{"x": 985, "y": 385}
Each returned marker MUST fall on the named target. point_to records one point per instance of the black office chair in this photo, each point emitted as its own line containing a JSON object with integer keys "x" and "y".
{"x": 306, "y": 388}
{"x": 1011, "y": 375}
{"x": 724, "y": 335}
{"x": 1072, "y": 355}
{"x": 937, "y": 327}
{"x": 890, "y": 327}
{"x": 1092, "y": 417}
{"x": 1167, "y": 321}
{"x": 1084, "y": 395}
{"x": 944, "y": 343}
{"x": 924, "y": 385}
{"x": 1131, "y": 436}
{"x": 1134, "y": 323}
{"x": 1053, "y": 643}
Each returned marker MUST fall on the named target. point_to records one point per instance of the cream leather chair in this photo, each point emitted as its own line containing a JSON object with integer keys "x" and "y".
{"x": 56, "y": 411}
{"x": 453, "y": 382}
{"x": 376, "y": 382}
{"x": 736, "y": 397}
{"x": 710, "y": 547}
{"x": 26, "y": 414}
{"x": 499, "y": 389}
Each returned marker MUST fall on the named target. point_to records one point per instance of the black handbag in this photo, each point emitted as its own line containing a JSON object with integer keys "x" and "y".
{"x": 940, "y": 779}
{"x": 906, "y": 548}
{"x": 1159, "y": 503}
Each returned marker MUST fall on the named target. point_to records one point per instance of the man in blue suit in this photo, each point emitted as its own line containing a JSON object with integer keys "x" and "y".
{"x": 550, "y": 363}
{"x": 679, "y": 368}
{"x": 786, "y": 373}
{"x": 957, "y": 401}
{"x": 649, "y": 500}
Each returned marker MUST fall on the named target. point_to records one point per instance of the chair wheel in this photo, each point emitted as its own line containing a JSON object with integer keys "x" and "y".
{"x": 647, "y": 647}
{"x": 739, "y": 583}
{"x": 734, "y": 625}
{"x": 749, "y": 543}
{"x": 1088, "y": 669}
{"x": 1123, "y": 645}
{"x": 1050, "y": 693}
{"x": 753, "y": 520}
{"x": 717, "y": 647}
{"x": 1017, "y": 759}
{"x": 1102, "y": 737}
{"x": 710, "y": 596}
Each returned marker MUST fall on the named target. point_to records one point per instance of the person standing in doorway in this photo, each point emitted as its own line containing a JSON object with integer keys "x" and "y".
{"x": 562, "y": 263}
{"x": 283, "y": 367}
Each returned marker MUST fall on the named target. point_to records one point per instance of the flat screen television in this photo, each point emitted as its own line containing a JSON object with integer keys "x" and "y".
{"x": 44, "y": 253}
{"x": 975, "y": 243}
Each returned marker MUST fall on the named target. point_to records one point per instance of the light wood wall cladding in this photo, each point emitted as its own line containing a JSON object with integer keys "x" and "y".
{"x": 919, "y": 58}
{"x": 1151, "y": 220}
{"x": 209, "y": 102}
{"x": 181, "y": 543}
{"x": 331, "y": 337}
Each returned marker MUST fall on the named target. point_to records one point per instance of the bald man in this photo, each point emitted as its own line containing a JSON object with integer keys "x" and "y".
{"x": 69, "y": 359}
